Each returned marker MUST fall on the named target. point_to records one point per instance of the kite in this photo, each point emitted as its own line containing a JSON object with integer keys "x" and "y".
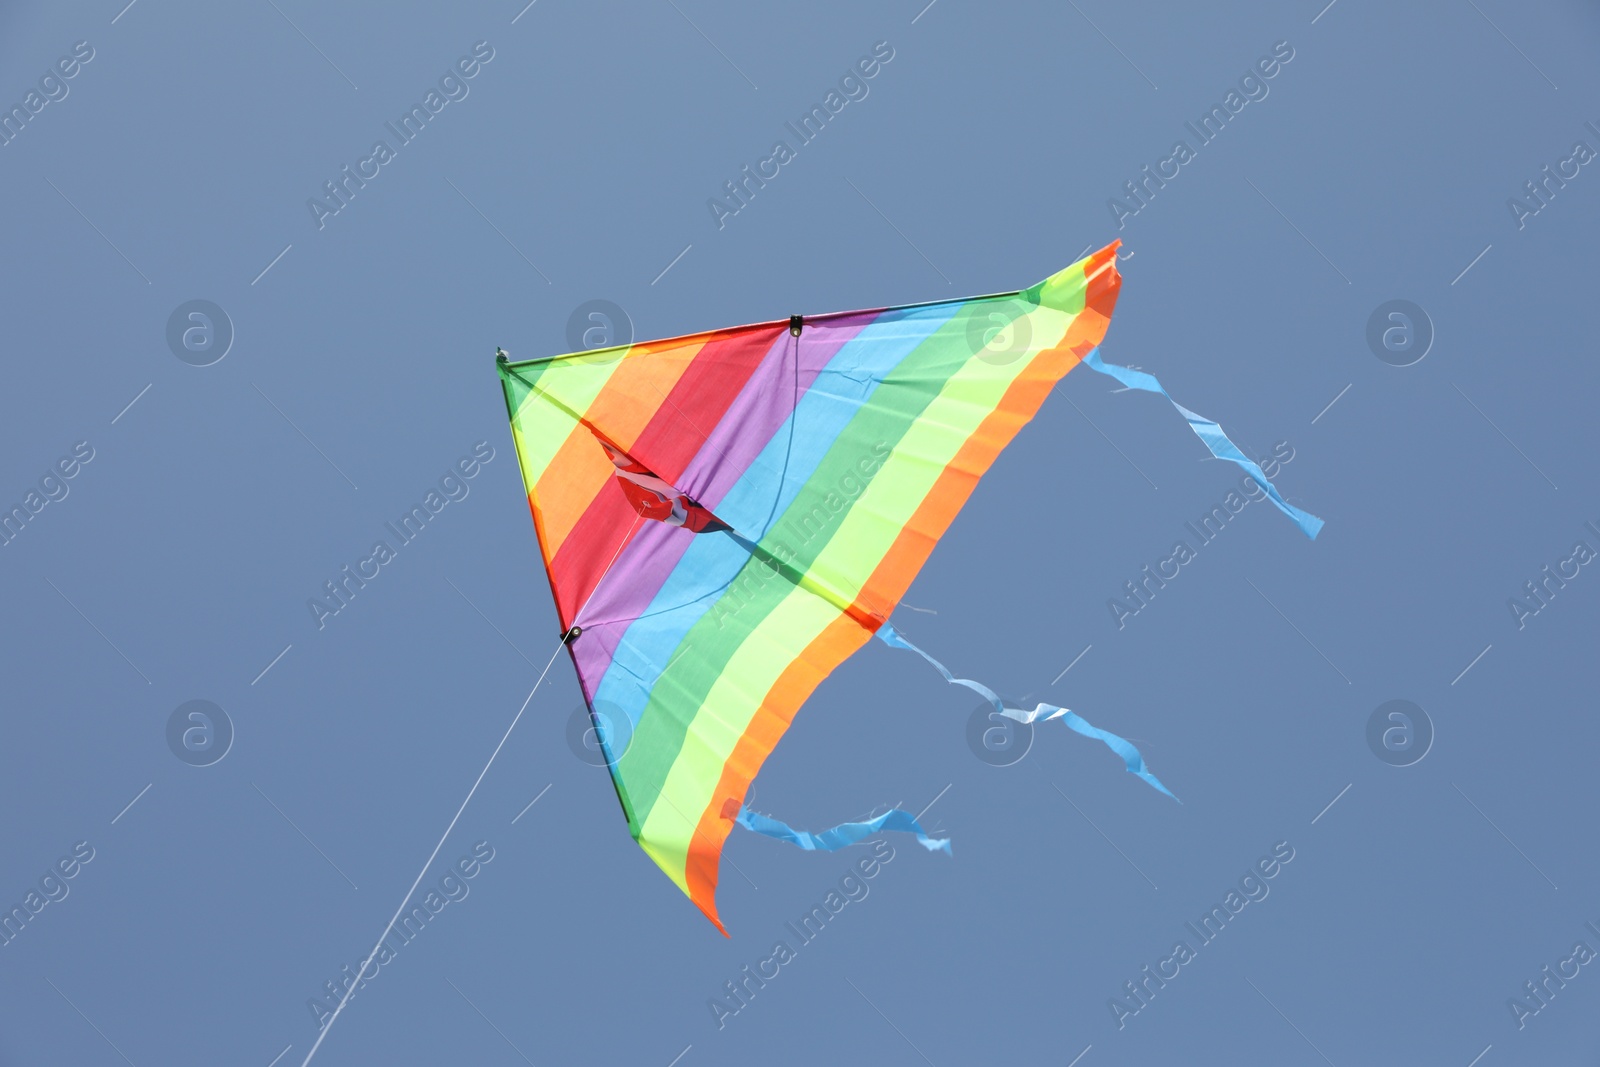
{"x": 725, "y": 517}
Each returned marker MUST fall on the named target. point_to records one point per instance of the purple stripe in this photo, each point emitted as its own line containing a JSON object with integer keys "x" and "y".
{"x": 621, "y": 597}
{"x": 761, "y": 410}
{"x": 764, "y": 406}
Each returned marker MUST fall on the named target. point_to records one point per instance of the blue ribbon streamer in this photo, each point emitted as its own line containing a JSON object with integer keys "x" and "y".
{"x": 847, "y": 833}
{"x": 1211, "y": 434}
{"x": 850, "y": 833}
{"x": 1041, "y": 713}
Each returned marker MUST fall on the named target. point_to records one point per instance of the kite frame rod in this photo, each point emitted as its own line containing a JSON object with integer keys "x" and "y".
{"x": 757, "y": 325}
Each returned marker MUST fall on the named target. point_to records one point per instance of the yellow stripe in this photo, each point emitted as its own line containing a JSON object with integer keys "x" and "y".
{"x": 541, "y": 427}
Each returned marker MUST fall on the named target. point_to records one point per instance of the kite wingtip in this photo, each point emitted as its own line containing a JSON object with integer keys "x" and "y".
{"x": 709, "y": 910}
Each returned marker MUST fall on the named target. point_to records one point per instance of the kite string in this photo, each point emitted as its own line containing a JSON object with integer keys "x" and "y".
{"x": 431, "y": 857}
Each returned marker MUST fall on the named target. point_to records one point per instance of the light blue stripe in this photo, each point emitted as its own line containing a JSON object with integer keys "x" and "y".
{"x": 712, "y": 560}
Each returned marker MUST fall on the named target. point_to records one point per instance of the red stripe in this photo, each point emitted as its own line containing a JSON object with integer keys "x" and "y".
{"x": 669, "y": 441}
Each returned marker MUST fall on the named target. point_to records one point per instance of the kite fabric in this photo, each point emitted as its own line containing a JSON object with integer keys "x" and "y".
{"x": 725, "y": 517}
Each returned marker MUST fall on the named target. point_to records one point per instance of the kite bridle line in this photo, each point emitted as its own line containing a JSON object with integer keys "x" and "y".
{"x": 431, "y": 857}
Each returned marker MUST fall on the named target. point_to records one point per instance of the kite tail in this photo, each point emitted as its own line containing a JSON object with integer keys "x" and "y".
{"x": 1211, "y": 434}
{"x": 1041, "y": 713}
{"x": 846, "y": 833}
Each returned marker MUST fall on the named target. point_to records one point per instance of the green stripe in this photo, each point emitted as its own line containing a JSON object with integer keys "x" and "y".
{"x": 542, "y": 427}
{"x": 1066, "y": 290}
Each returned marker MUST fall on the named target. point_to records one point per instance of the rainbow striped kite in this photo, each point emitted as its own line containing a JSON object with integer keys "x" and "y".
{"x": 726, "y": 516}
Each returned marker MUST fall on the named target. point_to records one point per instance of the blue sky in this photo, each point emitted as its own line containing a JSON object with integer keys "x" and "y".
{"x": 213, "y": 493}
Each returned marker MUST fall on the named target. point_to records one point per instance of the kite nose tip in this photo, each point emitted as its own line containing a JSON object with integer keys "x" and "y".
{"x": 500, "y": 355}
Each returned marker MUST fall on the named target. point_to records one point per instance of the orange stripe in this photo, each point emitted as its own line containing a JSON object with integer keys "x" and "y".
{"x": 633, "y": 394}
{"x": 894, "y": 574}
{"x": 838, "y": 640}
